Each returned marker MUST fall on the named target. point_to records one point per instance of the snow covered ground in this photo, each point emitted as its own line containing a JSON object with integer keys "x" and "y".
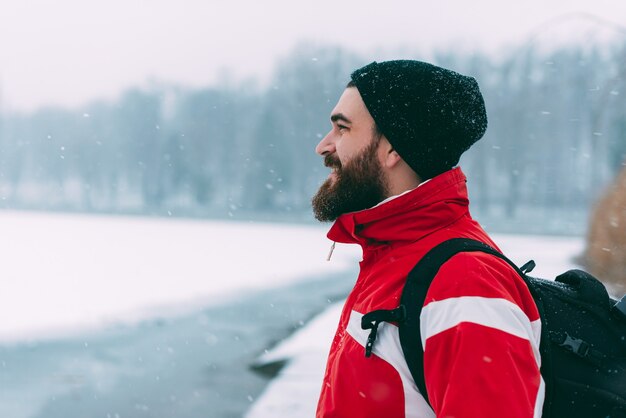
{"x": 63, "y": 274}
{"x": 294, "y": 391}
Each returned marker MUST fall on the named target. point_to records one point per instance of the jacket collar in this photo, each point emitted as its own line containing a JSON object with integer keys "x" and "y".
{"x": 407, "y": 217}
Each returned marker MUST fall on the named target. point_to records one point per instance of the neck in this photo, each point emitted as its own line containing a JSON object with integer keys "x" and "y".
{"x": 401, "y": 185}
{"x": 400, "y": 178}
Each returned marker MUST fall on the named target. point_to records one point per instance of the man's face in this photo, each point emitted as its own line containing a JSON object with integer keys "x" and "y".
{"x": 351, "y": 149}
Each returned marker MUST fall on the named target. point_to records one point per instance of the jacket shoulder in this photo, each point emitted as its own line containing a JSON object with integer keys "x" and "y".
{"x": 479, "y": 274}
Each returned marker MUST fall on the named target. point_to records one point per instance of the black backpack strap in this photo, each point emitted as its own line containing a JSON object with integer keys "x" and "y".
{"x": 414, "y": 295}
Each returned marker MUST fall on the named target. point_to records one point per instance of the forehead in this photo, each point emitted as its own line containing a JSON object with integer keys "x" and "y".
{"x": 351, "y": 105}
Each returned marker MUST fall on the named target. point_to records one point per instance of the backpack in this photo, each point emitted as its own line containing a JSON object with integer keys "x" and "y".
{"x": 583, "y": 334}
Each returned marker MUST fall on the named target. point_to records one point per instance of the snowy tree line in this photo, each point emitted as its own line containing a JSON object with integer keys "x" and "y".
{"x": 556, "y": 136}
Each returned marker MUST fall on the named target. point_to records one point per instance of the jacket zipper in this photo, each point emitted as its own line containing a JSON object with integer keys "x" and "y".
{"x": 330, "y": 253}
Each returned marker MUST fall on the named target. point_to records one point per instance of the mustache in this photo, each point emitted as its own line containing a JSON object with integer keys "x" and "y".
{"x": 332, "y": 161}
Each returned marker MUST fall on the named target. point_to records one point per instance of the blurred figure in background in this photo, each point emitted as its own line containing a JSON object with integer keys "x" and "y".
{"x": 605, "y": 255}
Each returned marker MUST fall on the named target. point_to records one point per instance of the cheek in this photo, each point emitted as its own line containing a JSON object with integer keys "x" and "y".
{"x": 346, "y": 151}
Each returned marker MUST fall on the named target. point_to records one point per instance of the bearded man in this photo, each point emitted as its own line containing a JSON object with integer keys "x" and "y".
{"x": 397, "y": 134}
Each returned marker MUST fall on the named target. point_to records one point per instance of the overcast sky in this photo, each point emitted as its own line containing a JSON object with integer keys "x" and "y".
{"x": 67, "y": 52}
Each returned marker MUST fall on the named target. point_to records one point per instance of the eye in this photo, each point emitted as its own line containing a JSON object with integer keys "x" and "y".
{"x": 341, "y": 128}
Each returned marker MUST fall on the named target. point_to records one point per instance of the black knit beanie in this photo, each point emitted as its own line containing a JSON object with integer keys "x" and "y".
{"x": 429, "y": 114}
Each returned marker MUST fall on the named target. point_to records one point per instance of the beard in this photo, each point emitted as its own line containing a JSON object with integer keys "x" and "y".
{"x": 358, "y": 185}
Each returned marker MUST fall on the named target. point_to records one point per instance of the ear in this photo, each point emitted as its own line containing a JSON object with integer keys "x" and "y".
{"x": 390, "y": 158}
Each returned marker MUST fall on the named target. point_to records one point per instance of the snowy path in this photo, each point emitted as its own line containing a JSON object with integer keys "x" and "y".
{"x": 294, "y": 391}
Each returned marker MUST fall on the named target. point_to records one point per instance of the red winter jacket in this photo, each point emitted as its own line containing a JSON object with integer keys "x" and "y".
{"x": 480, "y": 326}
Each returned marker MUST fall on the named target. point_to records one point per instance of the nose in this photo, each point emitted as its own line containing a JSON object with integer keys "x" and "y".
{"x": 326, "y": 145}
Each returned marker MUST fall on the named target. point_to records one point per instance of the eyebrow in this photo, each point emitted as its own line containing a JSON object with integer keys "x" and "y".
{"x": 340, "y": 116}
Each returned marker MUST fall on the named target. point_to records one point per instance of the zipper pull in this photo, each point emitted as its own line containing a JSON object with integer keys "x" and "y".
{"x": 330, "y": 253}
